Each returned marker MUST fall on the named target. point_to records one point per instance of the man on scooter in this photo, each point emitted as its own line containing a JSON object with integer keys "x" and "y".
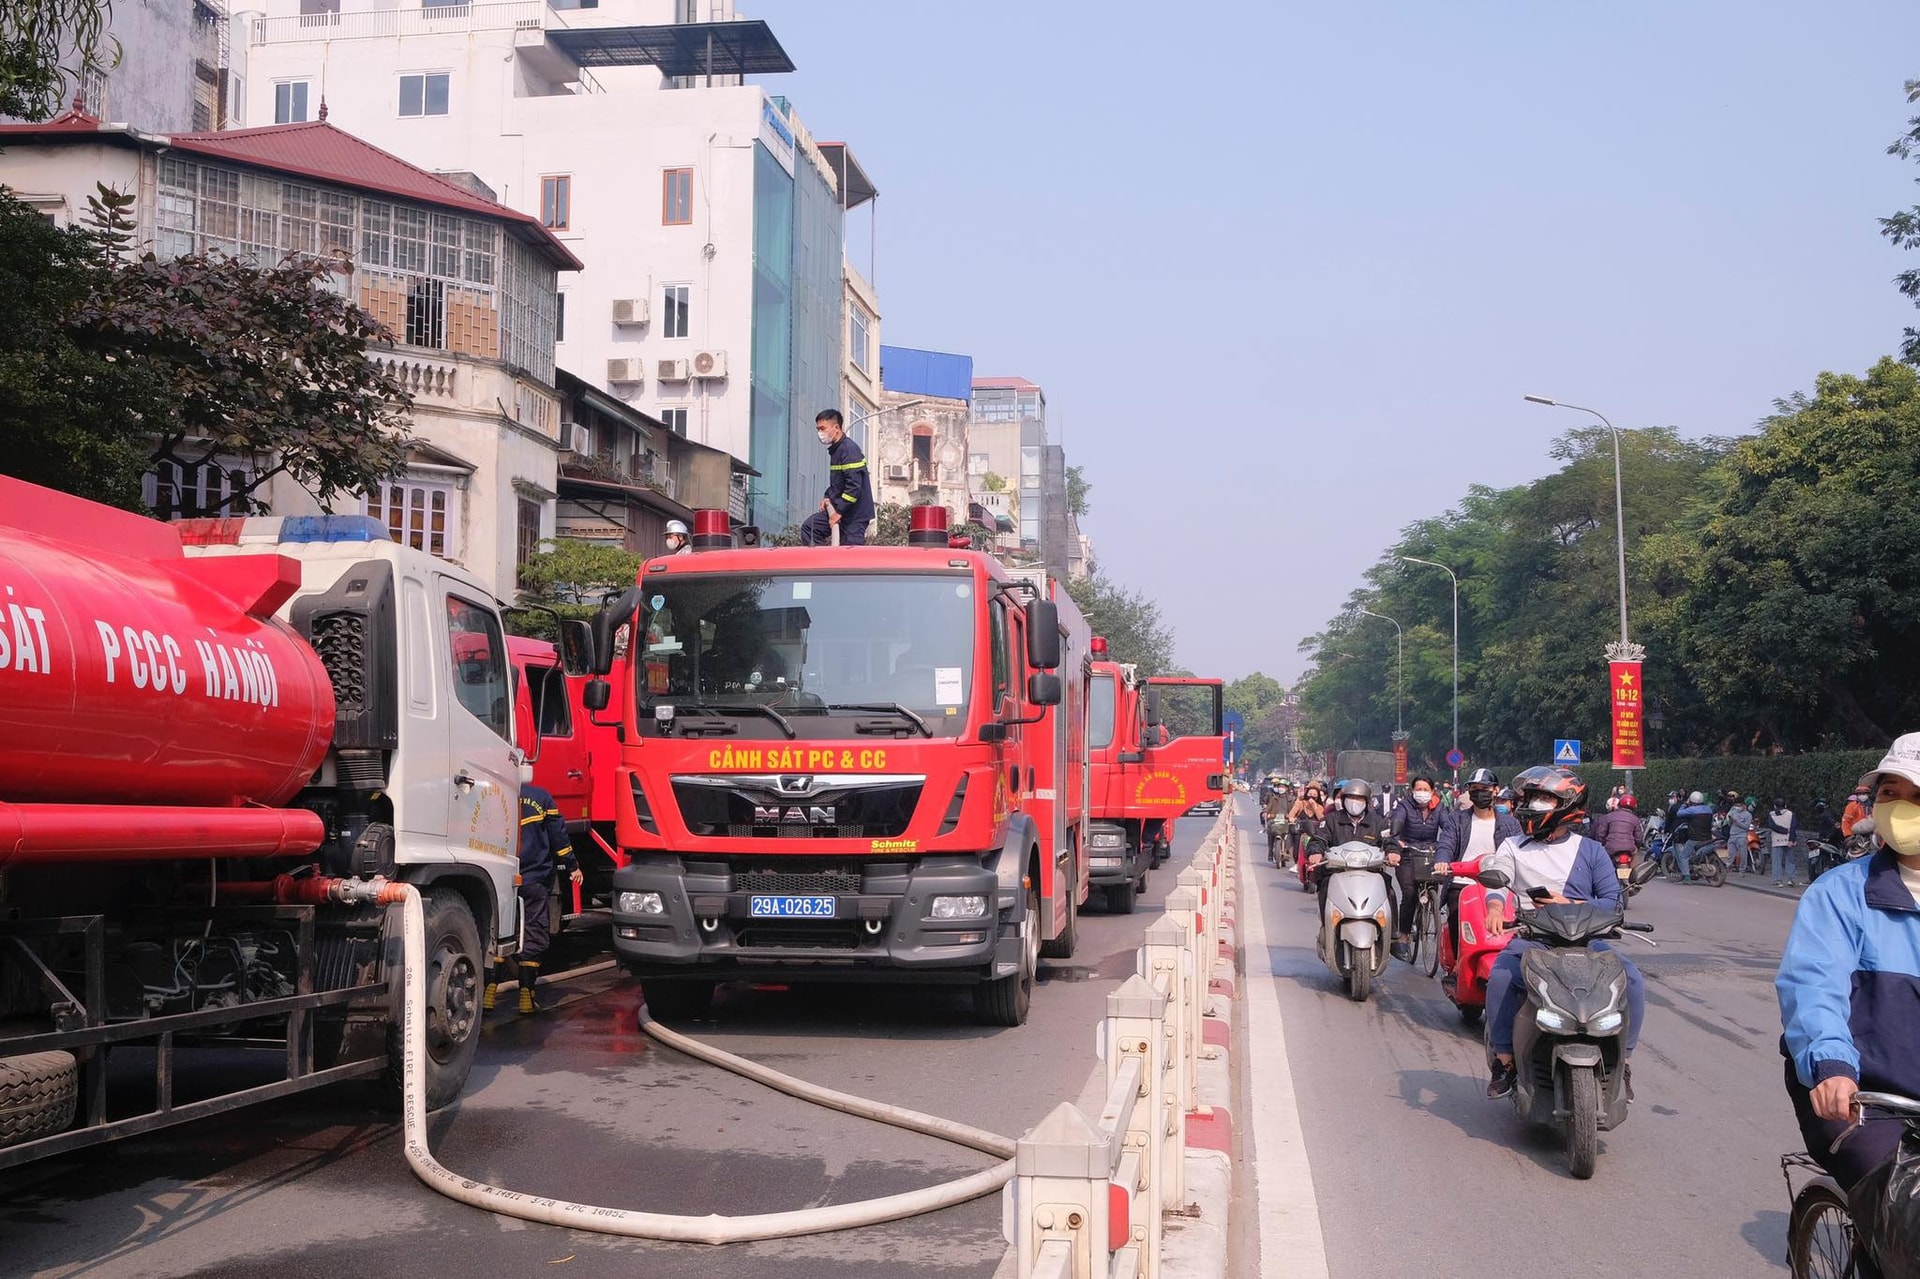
{"x": 1473, "y": 833}
{"x": 1548, "y": 862}
{"x": 1350, "y": 818}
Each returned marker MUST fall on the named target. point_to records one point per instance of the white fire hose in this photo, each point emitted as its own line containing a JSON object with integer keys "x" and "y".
{"x": 714, "y": 1229}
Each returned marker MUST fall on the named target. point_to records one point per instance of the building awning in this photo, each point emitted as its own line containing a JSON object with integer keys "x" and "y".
{"x": 581, "y": 487}
{"x": 856, "y": 188}
{"x": 744, "y": 47}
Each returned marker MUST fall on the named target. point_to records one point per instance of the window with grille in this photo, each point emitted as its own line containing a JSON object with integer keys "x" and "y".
{"x": 418, "y": 513}
{"x": 176, "y": 490}
{"x": 426, "y": 313}
{"x": 527, "y": 536}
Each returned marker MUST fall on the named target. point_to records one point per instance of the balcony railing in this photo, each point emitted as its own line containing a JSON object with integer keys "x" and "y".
{"x": 525, "y": 15}
{"x": 422, "y": 379}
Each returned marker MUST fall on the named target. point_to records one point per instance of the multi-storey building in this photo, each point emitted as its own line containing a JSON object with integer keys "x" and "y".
{"x": 467, "y": 286}
{"x": 918, "y": 448}
{"x": 712, "y": 225}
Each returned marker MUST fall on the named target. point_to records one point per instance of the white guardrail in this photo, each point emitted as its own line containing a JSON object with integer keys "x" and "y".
{"x": 1089, "y": 1195}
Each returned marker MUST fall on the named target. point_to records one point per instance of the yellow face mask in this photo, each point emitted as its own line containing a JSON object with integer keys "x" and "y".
{"x": 1898, "y": 822}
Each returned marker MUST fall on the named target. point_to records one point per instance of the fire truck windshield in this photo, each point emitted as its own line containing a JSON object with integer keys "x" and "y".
{"x": 851, "y": 649}
{"x": 1100, "y": 712}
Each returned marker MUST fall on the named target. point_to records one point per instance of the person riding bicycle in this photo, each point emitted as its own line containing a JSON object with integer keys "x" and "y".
{"x": 1548, "y": 855}
{"x": 1475, "y": 832}
{"x": 1416, "y": 823}
{"x": 1849, "y": 980}
{"x": 1351, "y": 818}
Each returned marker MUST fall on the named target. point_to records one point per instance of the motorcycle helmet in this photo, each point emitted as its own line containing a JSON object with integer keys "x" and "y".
{"x": 1550, "y": 798}
{"x": 1627, "y": 802}
{"x": 1482, "y": 777}
{"x": 1351, "y": 790}
{"x": 1696, "y": 798}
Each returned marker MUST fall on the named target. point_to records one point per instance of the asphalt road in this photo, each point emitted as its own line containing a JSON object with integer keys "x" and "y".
{"x": 1417, "y": 1173}
{"x": 575, "y": 1103}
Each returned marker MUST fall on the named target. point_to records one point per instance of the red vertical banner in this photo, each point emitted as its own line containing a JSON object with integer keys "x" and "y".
{"x": 1400, "y": 762}
{"x": 1629, "y": 715}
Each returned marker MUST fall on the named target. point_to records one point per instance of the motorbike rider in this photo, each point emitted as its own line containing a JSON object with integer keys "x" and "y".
{"x": 1351, "y": 818}
{"x": 1849, "y": 980}
{"x": 1473, "y": 832}
{"x": 1306, "y": 814}
{"x": 1695, "y": 833}
{"x": 1618, "y": 829}
{"x": 1416, "y": 823}
{"x": 1858, "y": 805}
{"x": 1548, "y": 855}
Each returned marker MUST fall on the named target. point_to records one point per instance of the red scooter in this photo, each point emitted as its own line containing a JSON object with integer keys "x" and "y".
{"x": 1484, "y": 913}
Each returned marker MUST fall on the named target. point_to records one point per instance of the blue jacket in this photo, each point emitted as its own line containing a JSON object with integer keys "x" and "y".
{"x": 1418, "y": 824}
{"x": 1699, "y": 819}
{"x": 1849, "y": 981}
{"x": 849, "y": 484}
{"x": 544, "y": 842}
{"x": 1458, "y": 828}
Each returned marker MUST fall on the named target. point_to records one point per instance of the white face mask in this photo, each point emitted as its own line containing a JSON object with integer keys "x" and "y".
{"x": 823, "y": 437}
{"x": 1423, "y": 797}
{"x": 1354, "y": 805}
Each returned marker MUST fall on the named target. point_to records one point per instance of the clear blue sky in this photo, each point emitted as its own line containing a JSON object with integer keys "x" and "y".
{"x": 1233, "y": 238}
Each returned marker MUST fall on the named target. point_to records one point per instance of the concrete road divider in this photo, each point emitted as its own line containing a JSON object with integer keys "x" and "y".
{"x": 1142, "y": 1189}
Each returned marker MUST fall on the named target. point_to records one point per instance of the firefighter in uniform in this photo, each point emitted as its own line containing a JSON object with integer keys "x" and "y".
{"x": 849, "y": 498}
{"x": 545, "y": 848}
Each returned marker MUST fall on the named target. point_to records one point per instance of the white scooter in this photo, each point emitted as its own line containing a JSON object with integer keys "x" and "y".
{"x": 1354, "y": 927}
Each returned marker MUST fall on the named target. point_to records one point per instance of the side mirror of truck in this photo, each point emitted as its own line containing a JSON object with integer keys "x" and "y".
{"x": 1043, "y": 635}
{"x": 1153, "y": 708}
{"x": 576, "y": 645}
{"x": 596, "y": 694}
{"x": 609, "y": 619}
{"x": 1043, "y": 688}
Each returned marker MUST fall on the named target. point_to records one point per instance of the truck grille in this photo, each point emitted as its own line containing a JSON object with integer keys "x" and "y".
{"x": 857, "y": 812}
{"x": 779, "y": 881}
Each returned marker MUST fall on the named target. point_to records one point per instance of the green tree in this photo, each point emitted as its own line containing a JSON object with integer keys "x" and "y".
{"x": 44, "y": 44}
{"x": 1078, "y": 491}
{"x": 1903, "y": 228}
{"x": 1131, "y": 623}
{"x": 117, "y": 365}
{"x": 1251, "y": 695}
{"x": 993, "y": 483}
{"x": 573, "y": 578}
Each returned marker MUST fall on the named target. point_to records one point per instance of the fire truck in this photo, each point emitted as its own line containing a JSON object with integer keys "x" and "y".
{"x": 1149, "y": 767}
{"x": 854, "y": 764}
{"x": 215, "y": 737}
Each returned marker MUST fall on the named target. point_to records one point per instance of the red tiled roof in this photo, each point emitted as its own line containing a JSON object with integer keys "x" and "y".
{"x": 316, "y": 149}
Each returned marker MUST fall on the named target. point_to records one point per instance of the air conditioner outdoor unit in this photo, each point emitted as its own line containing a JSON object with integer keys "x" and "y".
{"x": 899, "y": 473}
{"x": 630, "y": 311}
{"x": 710, "y": 364}
{"x": 670, "y": 371}
{"x": 573, "y": 438}
{"x": 630, "y": 369}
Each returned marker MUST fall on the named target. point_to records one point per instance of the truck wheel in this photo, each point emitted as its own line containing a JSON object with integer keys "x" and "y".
{"x": 38, "y": 1092}
{"x": 1007, "y": 1000}
{"x": 455, "y": 970}
{"x": 677, "y": 1000}
{"x": 1120, "y": 897}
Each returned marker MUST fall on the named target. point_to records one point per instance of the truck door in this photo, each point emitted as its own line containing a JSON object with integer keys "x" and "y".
{"x": 562, "y": 763}
{"x": 1186, "y": 750}
{"x": 483, "y": 792}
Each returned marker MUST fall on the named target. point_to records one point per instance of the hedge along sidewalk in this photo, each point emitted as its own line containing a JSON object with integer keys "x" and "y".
{"x": 1798, "y": 779}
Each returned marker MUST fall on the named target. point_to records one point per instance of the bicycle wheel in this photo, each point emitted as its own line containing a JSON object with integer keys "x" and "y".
{"x": 1427, "y": 937}
{"x": 1820, "y": 1234}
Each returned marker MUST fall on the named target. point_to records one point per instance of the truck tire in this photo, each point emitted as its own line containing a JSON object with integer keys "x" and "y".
{"x": 1007, "y": 1000}
{"x": 677, "y": 999}
{"x": 1120, "y": 897}
{"x": 38, "y": 1093}
{"x": 456, "y": 969}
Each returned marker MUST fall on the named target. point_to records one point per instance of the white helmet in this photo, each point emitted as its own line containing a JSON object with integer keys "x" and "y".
{"x": 679, "y": 528}
{"x": 1696, "y": 798}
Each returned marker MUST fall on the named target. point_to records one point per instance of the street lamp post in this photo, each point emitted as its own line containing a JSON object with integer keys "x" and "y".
{"x": 1399, "y": 663}
{"x": 1414, "y": 559}
{"x": 1626, "y": 650}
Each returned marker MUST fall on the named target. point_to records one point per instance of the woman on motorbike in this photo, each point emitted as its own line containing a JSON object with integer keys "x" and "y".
{"x": 1304, "y": 818}
{"x": 1416, "y": 824}
{"x": 1849, "y": 980}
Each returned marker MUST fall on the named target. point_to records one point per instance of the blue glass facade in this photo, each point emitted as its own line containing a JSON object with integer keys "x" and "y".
{"x": 770, "y": 419}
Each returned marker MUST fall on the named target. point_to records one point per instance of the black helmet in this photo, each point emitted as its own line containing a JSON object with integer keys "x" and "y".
{"x": 1482, "y": 777}
{"x": 1550, "y": 798}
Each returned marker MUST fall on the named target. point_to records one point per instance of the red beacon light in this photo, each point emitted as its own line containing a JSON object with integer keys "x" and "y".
{"x": 927, "y": 526}
{"x": 1099, "y": 646}
{"x": 711, "y": 531}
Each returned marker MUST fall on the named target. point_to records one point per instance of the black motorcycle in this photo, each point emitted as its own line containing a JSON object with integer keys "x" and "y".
{"x": 1569, "y": 1040}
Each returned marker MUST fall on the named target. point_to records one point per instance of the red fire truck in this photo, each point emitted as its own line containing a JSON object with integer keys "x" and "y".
{"x": 213, "y": 736}
{"x": 1151, "y": 763}
{"x": 846, "y": 764}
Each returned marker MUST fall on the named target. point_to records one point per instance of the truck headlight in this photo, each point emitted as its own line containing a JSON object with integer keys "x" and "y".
{"x": 971, "y": 907}
{"x": 1605, "y": 1023}
{"x": 1106, "y": 839}
{"x": 639, "y": 904}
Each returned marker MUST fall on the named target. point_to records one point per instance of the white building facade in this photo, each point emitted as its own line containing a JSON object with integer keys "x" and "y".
{"x": 710, "y": 224}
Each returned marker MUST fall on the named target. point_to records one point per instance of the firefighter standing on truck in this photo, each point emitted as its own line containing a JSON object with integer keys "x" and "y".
{"x": 849, "y": 497}
{"x": 545, "y": 848}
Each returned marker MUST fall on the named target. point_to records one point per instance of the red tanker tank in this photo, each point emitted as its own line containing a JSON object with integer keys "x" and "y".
{"x": 133, "y": 675}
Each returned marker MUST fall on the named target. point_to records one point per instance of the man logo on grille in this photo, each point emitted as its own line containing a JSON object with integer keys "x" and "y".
{"x": 794, "y": 785}
{"x": 812, "y": 815}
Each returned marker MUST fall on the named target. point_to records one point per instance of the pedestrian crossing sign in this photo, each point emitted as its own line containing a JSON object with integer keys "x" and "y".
{"x": 1566, "y": 750}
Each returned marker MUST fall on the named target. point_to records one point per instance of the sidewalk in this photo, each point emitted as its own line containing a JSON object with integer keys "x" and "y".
{"x": 1761, "y": 884}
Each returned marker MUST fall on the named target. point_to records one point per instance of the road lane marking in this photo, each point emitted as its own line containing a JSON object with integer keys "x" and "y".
{"x": 1291, "y": 1242}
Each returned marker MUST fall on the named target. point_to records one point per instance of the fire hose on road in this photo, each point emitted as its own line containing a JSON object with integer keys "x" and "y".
{"x": 713, "y": 1229}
